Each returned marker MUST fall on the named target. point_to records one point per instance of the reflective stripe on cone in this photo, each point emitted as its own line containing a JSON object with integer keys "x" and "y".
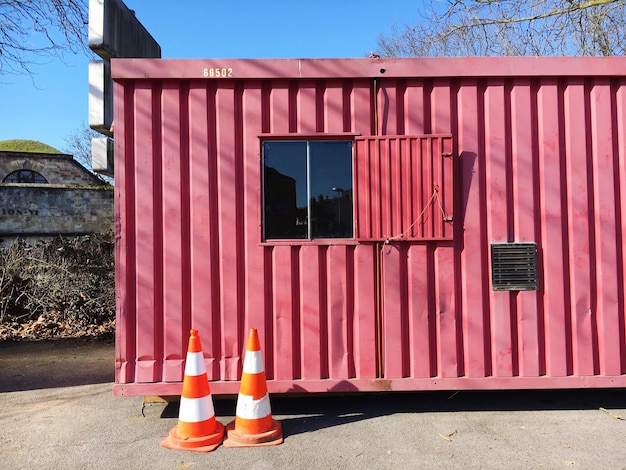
{"x": 253, "y": 424}
{"x": 197, "y": 429}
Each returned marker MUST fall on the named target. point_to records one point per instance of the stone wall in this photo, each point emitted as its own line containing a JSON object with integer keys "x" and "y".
{"x": 56, "y": 168}
{"x": 28, "y": 210}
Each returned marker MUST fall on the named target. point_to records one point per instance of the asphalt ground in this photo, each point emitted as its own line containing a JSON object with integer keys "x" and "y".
{"x": 57, "y": 411}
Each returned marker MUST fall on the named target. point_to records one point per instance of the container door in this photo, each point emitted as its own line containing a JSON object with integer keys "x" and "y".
{"x": 404, "y": 206}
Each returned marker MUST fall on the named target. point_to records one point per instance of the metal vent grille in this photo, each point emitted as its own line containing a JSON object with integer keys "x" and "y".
{"x": 514, "y": 266}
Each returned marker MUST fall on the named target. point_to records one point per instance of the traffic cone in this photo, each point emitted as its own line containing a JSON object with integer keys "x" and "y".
{"x": 197, "y": 429}
{"x": 253, "y": 425}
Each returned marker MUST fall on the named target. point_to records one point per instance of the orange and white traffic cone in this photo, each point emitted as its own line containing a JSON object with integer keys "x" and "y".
{"x": 253, "y": 425}
{"x": 197, "y": 429}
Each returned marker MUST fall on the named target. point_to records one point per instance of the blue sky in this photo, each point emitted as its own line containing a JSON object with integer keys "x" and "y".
{"x": 52, "y": 103}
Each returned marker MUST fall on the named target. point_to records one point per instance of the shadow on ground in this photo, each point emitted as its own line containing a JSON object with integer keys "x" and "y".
{"x": 303, "y": 414}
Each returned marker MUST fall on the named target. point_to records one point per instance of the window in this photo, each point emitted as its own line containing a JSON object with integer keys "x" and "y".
{"x": 25, "y": 176}
{"x": 307, "y": 189}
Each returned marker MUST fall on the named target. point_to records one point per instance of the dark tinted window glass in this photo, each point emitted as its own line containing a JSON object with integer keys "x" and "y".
{"x": 285, "y": 189}
{"x": 307, "y": 189}
{"x": 331, "y": 189}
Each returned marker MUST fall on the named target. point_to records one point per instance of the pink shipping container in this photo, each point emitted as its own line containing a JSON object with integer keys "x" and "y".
{"x": 474, "y": 238}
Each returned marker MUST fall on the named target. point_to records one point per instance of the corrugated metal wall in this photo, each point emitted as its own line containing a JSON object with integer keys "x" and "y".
{"x": 405, "y": 188}
{"x": 521, "y": 156}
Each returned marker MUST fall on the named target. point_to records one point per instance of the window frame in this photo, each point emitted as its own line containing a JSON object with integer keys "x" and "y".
{"x": 19, "y": 172}
{"x": 306, "y": 138}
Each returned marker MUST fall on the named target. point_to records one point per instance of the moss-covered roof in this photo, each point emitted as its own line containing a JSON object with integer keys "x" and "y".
{"x": 21, "y": 145}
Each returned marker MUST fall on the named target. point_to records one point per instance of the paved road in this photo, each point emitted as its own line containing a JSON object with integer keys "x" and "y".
{"x": 56, "y": 420}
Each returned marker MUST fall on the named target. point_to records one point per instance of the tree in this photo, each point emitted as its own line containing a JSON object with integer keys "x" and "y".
{"x": 78, "y": 144}
{"x": 511, "y": 27}
{"x": 31, "y": 30}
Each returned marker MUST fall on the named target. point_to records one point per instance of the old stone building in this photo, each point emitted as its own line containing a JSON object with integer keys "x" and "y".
{"x": 50, "y": 194}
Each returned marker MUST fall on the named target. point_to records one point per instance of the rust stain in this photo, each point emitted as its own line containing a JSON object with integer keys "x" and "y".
{"x": 382, "y": 385}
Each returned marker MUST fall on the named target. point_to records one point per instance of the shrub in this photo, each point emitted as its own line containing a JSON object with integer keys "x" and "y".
{"x": 65, "y": 285}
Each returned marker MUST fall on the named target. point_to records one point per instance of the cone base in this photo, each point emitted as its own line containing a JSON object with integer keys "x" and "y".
{"x": 273, "y": 437}
{"x": 195, "y": 444}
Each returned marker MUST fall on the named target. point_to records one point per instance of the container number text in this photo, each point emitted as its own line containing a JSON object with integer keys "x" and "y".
{"x": 217, "y": 72}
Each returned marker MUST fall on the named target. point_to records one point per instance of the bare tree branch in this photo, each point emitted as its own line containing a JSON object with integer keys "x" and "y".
{"x": 33, "y": 30}
{"x": 512, "y": 27}
{"x": 528, "y": 19}
{"x": 78, "y": 144}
